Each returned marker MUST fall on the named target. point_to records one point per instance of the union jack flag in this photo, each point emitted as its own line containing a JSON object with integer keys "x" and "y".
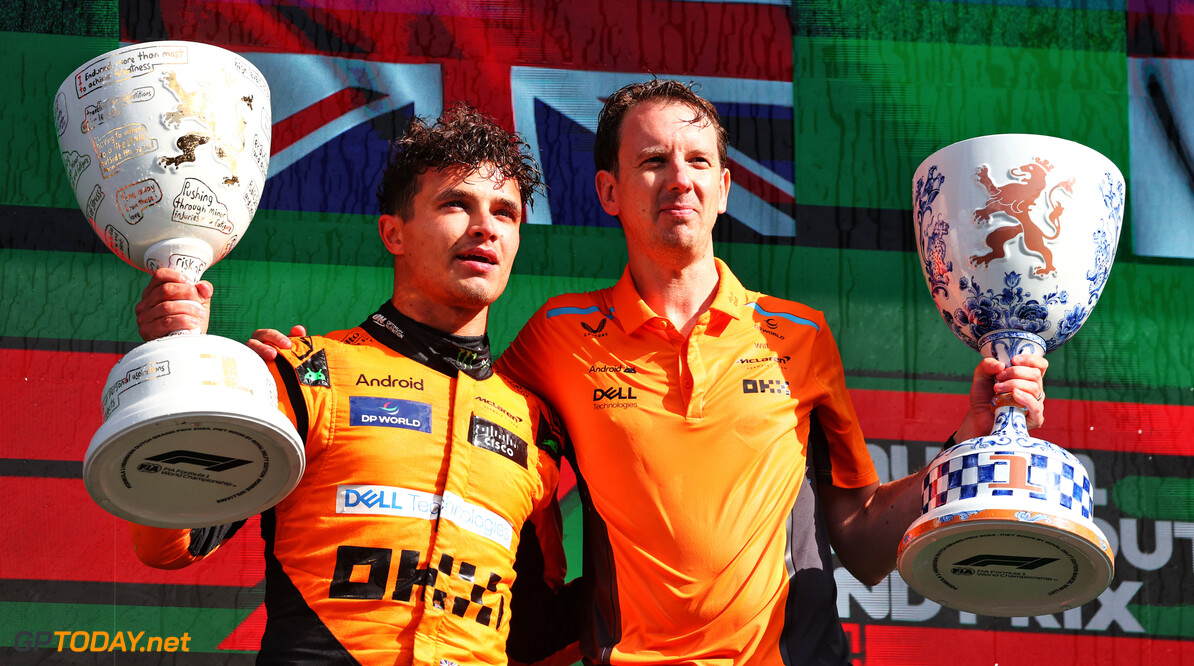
{"x": 346, "y": 75}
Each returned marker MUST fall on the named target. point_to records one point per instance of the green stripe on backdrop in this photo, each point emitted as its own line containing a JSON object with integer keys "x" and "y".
{"x": 573, "y": 514}
{"x": 1176, "y": 621}
{"x": 96, "y": 18}
{"x": 34, "y": 66}
{"x": 1063, "y": 26}
{"x": 1131, "y": 349}
{"x": 1157, "y": 498}
{"x": 205, "y": 627}
{"x": 871, "y": 111}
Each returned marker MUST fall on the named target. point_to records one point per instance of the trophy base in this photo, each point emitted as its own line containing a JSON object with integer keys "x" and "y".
{"x": 194, "y": 436}
{"x": 1004, "y": 562}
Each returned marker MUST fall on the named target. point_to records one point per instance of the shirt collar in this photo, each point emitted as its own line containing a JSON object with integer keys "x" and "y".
{"x": 632, "y": 312}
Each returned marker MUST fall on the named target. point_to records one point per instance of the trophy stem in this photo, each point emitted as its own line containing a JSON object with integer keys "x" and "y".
{"x": 188, "y": 256}
{"x": 1004, "y": 345}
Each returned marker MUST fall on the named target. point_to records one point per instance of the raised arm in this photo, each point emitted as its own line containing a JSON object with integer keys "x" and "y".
{"x": 169, "y": 303}
{"x": 866, "y": 524}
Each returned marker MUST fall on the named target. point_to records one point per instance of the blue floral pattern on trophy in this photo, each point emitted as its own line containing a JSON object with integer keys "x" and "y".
{"x": 1030, "y": 517}
{"x": 937, "y": 266}
{"x": 1012, "y": 308}
{"x": 961, "y": 515}
{"x": 1113, "y": 199}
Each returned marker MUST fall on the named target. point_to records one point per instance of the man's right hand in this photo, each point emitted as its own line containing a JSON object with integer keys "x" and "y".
{"x": 267, "y": 341}
{"x": 170, "y": 304}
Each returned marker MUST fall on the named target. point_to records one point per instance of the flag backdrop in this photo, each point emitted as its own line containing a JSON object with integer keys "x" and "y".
{"x": 830, "y": 106}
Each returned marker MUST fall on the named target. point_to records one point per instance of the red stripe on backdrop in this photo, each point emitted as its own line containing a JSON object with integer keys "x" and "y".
{"x": 1161, "y": 35}
{"x": 54, "y": 531}
{"x": 887, "y": 645}
{"x": 50, "y": 411}
{"x": 247, "y": 634}
{"x": 291, "y": 129}
{"x": 764, "y": 190}
{"x": 1073, "y": 424}
{"x": 52, "y": 408}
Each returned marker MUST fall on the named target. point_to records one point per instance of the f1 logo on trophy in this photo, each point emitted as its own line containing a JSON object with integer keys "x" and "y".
{"x": 1016, "y": 235}
{"x": 167, "y": 147}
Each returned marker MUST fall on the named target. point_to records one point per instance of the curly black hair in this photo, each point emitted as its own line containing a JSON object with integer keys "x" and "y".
{"x": 463, "y": 136}
{"x": 609, "y": 121}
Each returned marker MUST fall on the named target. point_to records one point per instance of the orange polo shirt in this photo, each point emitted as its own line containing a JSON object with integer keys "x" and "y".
{"x": 690, "y": 451}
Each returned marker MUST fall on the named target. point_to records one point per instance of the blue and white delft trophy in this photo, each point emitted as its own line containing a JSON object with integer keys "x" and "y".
{"x": 1016, "y": 235}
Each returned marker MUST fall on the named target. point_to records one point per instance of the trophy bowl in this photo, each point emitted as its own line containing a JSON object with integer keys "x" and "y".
{"x": 166, "y": 146}
{"x": 1016, "y": 235}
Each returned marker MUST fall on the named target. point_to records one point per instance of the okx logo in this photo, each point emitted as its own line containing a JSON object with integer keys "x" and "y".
{"x": 1013, "y": 561}
{"x": 207, "y": 461}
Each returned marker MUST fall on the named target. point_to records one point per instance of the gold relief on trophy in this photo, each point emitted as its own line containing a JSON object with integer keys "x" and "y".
{"x": 196, "y": 104}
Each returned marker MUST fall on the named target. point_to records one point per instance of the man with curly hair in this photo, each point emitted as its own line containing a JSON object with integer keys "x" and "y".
{"x": 426, "y": 473}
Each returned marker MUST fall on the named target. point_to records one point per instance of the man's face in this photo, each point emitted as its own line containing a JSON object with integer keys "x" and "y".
{"x": 458, "y": 246}
{"x": 670, "y": 185}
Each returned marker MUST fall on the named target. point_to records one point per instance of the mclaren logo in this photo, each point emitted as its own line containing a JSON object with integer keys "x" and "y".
{"x": 781, "y": 360}
{"x": 207, "y": 461}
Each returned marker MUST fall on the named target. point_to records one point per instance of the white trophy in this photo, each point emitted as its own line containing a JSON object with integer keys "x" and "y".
{"x": 167, "y": 146}
{"x": 1016, "y": 235}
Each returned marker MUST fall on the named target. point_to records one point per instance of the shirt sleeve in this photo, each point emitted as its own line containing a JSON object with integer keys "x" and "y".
{"x": 163, "y": 548}
{"x": 836, "y": 443}
{"x": 525, "y": 361}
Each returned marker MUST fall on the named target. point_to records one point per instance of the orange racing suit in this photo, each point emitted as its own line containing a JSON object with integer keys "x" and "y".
{"x": 426, "y": 474}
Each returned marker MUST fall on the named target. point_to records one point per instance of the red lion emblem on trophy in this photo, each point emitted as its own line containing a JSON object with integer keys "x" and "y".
{"x": 1016, "y": 200}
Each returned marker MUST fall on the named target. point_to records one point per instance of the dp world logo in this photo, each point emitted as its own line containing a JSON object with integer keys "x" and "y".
{"x": 389, "y": 413}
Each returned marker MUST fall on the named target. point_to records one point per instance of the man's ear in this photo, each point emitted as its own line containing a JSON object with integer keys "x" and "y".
{"x": 390, "y": 227}
{"x": 605, "y": 182}
{"x": 725, "y": 191}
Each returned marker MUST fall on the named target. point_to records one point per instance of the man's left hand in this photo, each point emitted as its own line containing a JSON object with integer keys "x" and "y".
{"x": 1021, "y": 383}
